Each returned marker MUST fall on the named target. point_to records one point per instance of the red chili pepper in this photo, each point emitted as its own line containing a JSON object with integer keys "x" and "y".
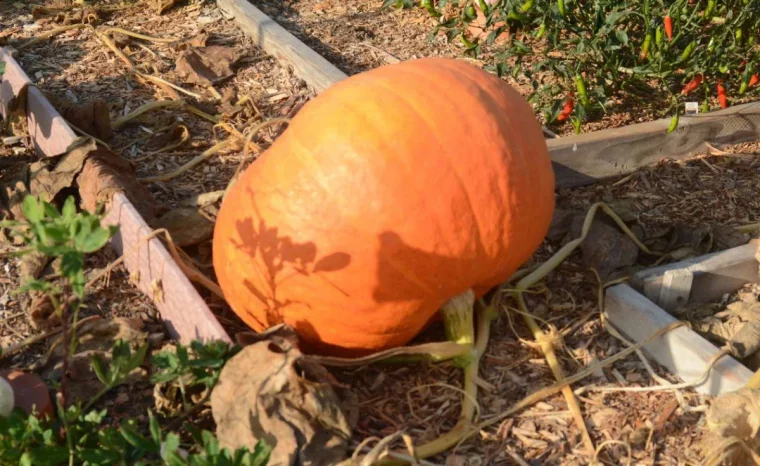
{"x": 568, "y": 108}
{"x": 692, "y": 85}
{"x": 722, "y": 95}
{"x": 669, "y": 27}
{"x": 754, "y": 80}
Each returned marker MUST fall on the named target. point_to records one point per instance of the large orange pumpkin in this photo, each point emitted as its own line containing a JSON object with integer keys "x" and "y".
{"x": 390, "y": 193}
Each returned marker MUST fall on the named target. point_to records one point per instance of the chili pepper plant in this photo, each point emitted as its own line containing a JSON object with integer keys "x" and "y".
{"x": 583, "y": 56}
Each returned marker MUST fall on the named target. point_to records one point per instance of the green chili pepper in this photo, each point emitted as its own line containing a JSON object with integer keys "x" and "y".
{"x": 466, "y": 42}
{"x": 561, "y": 7}
{"x": 483, "y": 6}
{"x": 673, "y": 123}
{"x": 527, "y": 6}
{"x": 738, "y": 35}
{"x": 430, "y": 7}
{"x": 688, "y": 51}
{"x": 515, "y": 71}
{"x": 580, "y": 85}
{"x": 709, "y": 9}
{"x": 516, "y": 16}
{"x": 723, "y": 68}
{"x": 658, "y": 37}
{"x": 469, "y": 12}
{"x": 645, "y": 46}
{"x": 541, "y": 31}
{"x": 705, "y": 107}
{"x": 748, "y": 72}
{"x": 711, "y": 45}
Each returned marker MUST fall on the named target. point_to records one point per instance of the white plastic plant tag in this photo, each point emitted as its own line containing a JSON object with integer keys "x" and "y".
{"x": 692, "y": 108}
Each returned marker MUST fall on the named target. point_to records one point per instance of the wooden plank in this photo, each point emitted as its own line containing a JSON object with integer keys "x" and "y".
{"x": 714, "y": 274}
{"x": 675, "y": 289}
{"x": 318, "y": 73}
{"x": 49, "y": 133}
{"x": 682, "y": 351}
{"x": 183, "y": 310}
{"x": 586, "y": 158}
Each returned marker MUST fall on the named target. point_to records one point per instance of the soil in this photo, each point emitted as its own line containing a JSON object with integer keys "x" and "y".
{"x": 660, "y": 203}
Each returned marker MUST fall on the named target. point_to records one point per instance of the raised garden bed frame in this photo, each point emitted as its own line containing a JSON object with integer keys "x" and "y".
{"x": 578, "y": 160}
{"x": 640, "y": 309}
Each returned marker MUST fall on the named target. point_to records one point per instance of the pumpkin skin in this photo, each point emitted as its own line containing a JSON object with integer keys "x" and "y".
{"x": 388, "y": 194}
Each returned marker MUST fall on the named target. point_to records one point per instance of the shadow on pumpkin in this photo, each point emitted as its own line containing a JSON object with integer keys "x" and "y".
{"x": 282, "y": 259}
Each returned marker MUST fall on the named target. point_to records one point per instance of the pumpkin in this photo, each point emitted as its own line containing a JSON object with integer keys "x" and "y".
{"x": 388, "y": 195}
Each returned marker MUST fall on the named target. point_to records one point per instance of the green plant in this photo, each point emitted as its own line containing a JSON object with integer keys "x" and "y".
{"x": 84, "y": 436}
{"x": 616, "y": 50}
{"x": 88, "y": 439}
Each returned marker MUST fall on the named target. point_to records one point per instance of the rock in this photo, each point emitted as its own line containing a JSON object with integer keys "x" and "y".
{"x": 30, "y": 392}
{"x": 605, "y": 248}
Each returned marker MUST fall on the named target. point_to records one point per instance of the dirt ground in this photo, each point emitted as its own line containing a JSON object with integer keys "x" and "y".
{"x": 659, "y": 203}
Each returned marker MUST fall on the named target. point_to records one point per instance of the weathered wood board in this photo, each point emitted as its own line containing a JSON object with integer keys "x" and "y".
{"x": 637, "y": 311}
{"x": 712, "y": 275}
{"x": 682, "y": 351}
{"x": 318, "y": 73}
{"x": 48, "y": 131}
{"x": 183, "y": 310}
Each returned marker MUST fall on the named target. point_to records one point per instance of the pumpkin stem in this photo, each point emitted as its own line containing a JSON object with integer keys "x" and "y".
{"x": 459, "y": 321}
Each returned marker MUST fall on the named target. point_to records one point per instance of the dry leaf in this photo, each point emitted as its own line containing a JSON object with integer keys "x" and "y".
{"x": 91, "y": 117}
{"x": 726, "y": 237}
{"x": 206, "y": 65}
{"x": 104, "y": 174}
{"x": 47, "y": 181}
{"x": 270, "y": 391}
{"x": 733, "y": 415}
{"x": 187, "y": 226}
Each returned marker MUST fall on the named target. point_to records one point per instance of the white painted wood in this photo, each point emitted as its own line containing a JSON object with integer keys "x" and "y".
{"x": 675, "y": 289}
{"x": 713, "y": 274}
{"x": 682, "y": 351}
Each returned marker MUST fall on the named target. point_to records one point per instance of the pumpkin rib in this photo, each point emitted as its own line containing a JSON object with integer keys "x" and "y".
{"x": 423, "y": 122}
{"x": 491, "y": 100}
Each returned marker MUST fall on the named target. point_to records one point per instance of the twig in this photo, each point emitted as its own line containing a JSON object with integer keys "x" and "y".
{"x": 38, "y": 338}
{"x": 49, "y": 34}
{"x": 192, "y": 163}
{"x": 248, "y": 140}
{"x": 191, "y": 273}
{"x": 138, "y": 36}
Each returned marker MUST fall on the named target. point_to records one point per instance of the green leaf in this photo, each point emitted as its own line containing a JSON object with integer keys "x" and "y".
{"x": 93, "y": 241}
{"x": 69, "y": 208}
{"x": 130, "y": 434}
{"x": 155, "y": 429}
{"x": 32, "y": 209}
{"x": 100, "y": 457}
{"x": 97, "y": 366}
